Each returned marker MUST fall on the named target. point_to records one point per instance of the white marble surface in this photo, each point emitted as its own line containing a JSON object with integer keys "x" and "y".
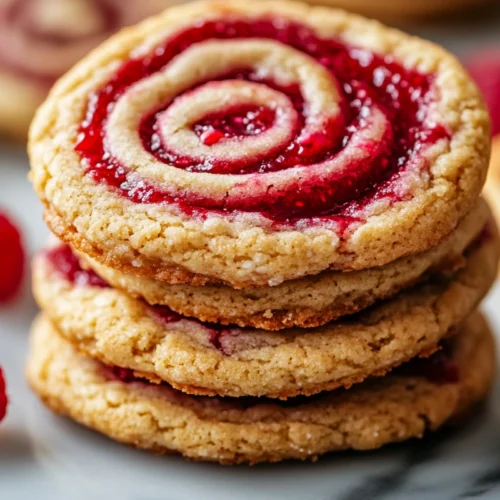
{"x": 49, "y": 458}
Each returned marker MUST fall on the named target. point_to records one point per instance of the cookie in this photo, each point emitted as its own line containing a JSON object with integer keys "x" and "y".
{"x": 400, "y": 406}
{"x": 492, "y": 188}
{"x": 41, "y": 39}
{"x": 397, "y": 10}
{"x": 306, "y": 302}
{"x": 207, "y": 359}
{"x": 251, "y": 143}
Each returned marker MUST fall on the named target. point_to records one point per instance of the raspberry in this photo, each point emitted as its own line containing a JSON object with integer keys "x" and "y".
{"x": 11, "y": 259}
{"x": 3, "y": 396}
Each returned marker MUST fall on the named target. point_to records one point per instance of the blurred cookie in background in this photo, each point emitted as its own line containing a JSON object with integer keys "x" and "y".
{"x": 41, "y": 39}
{"x": 484, "y": 67}
{"x": 492, "y": 188}
{"x": 402, "y": 9}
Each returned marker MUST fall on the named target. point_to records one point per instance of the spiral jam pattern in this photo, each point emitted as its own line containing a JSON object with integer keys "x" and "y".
{"x": 280, "y": 123}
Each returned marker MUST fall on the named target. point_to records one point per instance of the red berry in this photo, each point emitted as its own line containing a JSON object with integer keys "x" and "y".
{"x": 11, "y": 259}
{"x": 3, "y": 396}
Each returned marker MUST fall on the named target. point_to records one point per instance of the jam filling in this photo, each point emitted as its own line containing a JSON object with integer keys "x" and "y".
{"x": 20, "y": 16}
{"x": 440, "y": 368}
{"x": 68, "y": 266}
{"x": 366, "y": 81}
{"x": 239, "y": 122}
{"x": 215, "y": 332}
{"x": 167, "y": 315}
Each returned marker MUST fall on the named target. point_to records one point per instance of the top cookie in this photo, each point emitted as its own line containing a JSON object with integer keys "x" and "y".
{"x": 41, "y": 39}
{"x": 254, "y": 143}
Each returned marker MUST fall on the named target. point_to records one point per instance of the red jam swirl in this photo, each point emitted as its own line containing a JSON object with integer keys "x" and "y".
{"x": 216, "y": 333}
{"x": 366, "y": 81}
{"x": 239, "y": 122}
{"x": 66, "y": 264}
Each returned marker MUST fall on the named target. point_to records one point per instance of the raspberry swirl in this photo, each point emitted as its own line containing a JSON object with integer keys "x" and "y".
{"x": 41, "y": 39}
{"x": 295, "y": 126}
{"x": 256, "y": 143}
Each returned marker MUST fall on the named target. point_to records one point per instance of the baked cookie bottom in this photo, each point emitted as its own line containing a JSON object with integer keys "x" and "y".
{"x": 400, "y": 406}
{"x": 207, "y": 359}
{"x": 308, "y": 302}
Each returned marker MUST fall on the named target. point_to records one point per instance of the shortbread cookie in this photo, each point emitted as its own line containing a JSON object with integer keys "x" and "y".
{"x": 251, "y": 143}
{"x": 206, "y": 358}
{"x": 306, "y": 302}
{"x": 41, "y": 39}
{"x": 400, "y": 406}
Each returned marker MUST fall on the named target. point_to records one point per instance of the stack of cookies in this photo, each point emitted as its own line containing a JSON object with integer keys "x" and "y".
{"x": 270, "y": 238}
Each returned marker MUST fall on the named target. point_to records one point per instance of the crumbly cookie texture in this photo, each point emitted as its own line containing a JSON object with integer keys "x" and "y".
{"x": 307, "y": 302}
{"x": 492, "y": 188}
{"x": 161, "y": 419}
{"x": 244, "y": 249}
{"x": 205, "y": 359}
